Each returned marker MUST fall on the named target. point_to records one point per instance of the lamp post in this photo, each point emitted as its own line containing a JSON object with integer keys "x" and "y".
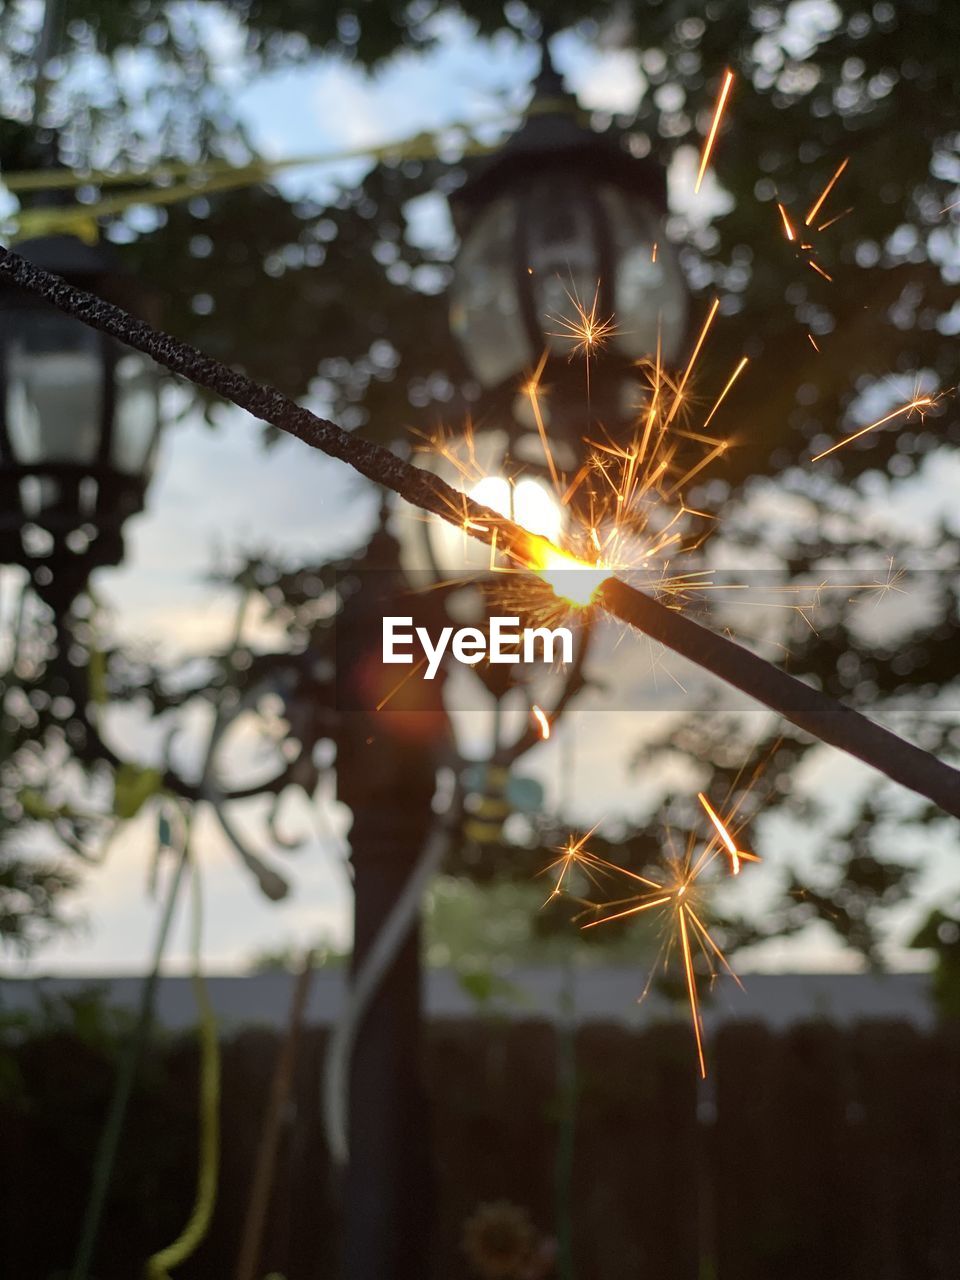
{"x": 558, "y": 217}
{"x": 388, "y": 749}
{"x": 79, "y": 422}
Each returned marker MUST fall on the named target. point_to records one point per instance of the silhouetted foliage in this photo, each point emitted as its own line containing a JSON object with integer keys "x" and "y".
{"x": 338, "y": 299}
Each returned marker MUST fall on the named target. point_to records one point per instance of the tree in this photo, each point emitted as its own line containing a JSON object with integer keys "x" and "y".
{"x": 880, "y": 86}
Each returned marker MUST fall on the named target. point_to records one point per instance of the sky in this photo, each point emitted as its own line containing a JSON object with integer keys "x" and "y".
{"x": 218, "y": 492}
{"x": 203, "y": 504}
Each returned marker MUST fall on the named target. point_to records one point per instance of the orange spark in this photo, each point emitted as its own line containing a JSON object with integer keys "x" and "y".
{"x": 735, "y": 854}
{"x": 532, "y": 390}
{"x": 813, "y": 344}
{"x": 597, "y": 870}
{"x": 787, "y": 224}
{"x": 815, "y": 207}
{"x": 819, "y": 270}
{"x": 678, "y": 394}
{"x": 674, "y": 897}
{"x": 400, "y": 683}
{"x": 921, "y": 402}
{"x": 836, "y": 218}
{"x": 674, "y": 900}
{"x": 541, "y": 718}
{"x": 715, "y": 125}
{"x": 723, "y": 394}
{"x": 587, "y": 330}
{"x": 692, "y": 990}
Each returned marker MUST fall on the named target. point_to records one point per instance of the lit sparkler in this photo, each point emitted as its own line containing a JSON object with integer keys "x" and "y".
{"x": 623, "y": 508}
{"x": 625, "y": 511}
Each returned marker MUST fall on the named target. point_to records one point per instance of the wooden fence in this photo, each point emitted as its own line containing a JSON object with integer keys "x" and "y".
{"x": 817, "y": 1154}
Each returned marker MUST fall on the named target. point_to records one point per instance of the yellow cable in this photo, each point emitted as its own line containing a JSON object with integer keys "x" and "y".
{"x": 79, "y": 219}
{"x": 160, "y": 1264}
{"x": 420, "y": 146}
{"x": 210, "y": 176}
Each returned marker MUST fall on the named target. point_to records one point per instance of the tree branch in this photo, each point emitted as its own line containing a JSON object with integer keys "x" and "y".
{"x": 812, "y": 711}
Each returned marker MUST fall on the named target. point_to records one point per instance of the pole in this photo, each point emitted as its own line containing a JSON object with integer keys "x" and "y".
{"x": 387, "y": 750}
{"x": 388, "y": 1201}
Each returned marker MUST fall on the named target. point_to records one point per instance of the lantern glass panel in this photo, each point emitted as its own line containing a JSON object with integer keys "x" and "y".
{"x": 522, "y": 493}
{"x": 137, "y": 413}
{"x": 650, "y": 298}
{"x": 485, "y": 304}
{"x": 54, "y": 389}
{"x": 563, "y": 255}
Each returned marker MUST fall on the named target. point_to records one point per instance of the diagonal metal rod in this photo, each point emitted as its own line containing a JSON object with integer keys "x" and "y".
{"x": 807, "y": 708}
{"x": 819, "y": 714}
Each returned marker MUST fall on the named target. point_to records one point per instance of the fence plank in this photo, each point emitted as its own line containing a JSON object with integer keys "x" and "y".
{"x": 833, "y": 1155}
{"x": 782, "y": 1165}
{"x": 636, "y": 1199}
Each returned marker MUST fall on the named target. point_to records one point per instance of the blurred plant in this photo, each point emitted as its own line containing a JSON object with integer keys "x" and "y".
{"x": 940, "y": 933}
{"x": 501, "y": 1243}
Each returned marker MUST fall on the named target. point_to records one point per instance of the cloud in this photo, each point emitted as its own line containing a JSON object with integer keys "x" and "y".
{"x": 609, "y": 80}
{"x": 346, "y": 105}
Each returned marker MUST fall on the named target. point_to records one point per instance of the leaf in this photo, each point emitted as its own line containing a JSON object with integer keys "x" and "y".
{"x": 133, "y": 787}
{"x": 97, "y": 677}
{"x": 35, "y": 806}
{"x": 483, "y": 986}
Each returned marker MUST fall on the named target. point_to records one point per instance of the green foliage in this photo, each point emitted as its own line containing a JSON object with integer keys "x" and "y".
{"x": 133, "y": 787}
{"x": 44, "y": 786}
{"x": 940, "y": 933}
{"x": 82, "y": 1015}
{"x": 364, "y": 318}
{"x": 31, "y": 889}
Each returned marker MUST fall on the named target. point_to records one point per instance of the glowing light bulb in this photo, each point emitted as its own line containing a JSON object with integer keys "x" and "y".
{"x": 493, "y": 492}
{"x": 536, "y": 509}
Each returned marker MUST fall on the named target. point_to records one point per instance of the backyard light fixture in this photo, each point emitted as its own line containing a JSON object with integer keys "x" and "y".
{"x": 79, "y": 421}
{"x": 563, "y": 252}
